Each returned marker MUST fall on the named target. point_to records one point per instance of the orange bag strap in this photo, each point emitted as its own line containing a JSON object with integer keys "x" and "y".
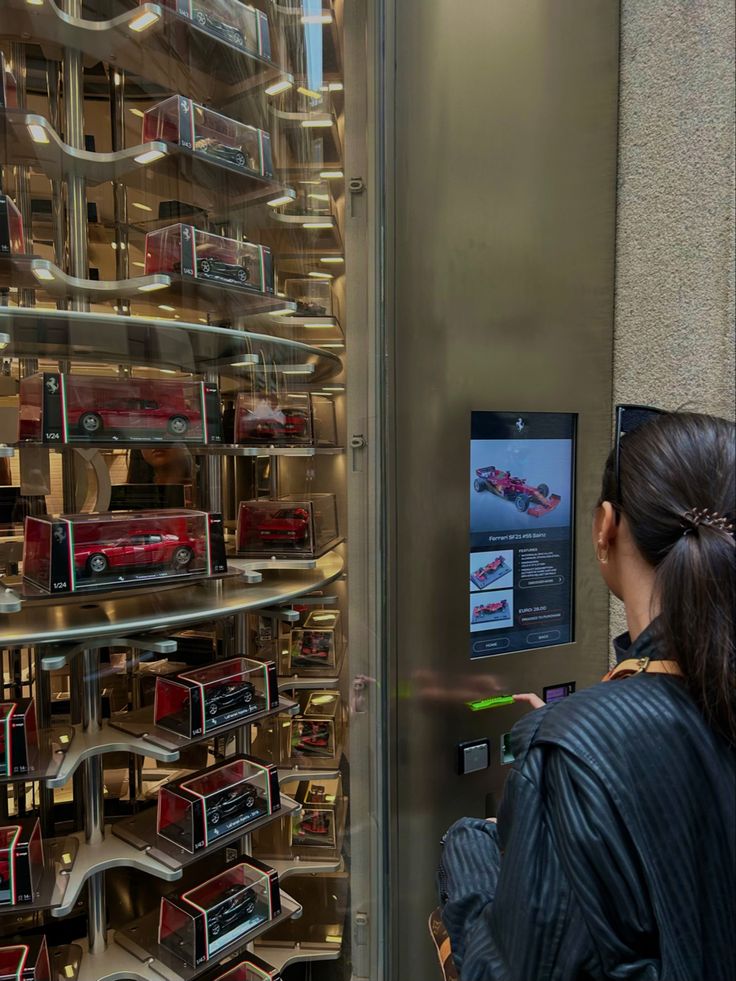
{"x": 643, "y": 665}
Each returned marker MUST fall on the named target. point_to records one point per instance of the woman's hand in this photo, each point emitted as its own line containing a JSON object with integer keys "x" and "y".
{"x": 530, "y": 698}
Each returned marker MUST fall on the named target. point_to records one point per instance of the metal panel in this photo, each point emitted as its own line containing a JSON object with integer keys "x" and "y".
{"x": 504, "y": 183}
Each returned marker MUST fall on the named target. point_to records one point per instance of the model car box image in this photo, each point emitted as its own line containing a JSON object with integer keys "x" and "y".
{"x": 198, "y": 923}
{"x": 196, "y": 810}
{"x": 273, "y": 419}
{"x": 204, "y": 131}
{"x": 488, "y": 612}
{"x": 57, "y": 408}
{"x": 8, "y": 86}
{"x": 18, "y": 737}
{"x": 229, "y": 21}
{"x": 196, "y": 702}
{"x": 189, "y": 251}
{"x": 12, "y": 239}
{"x": 26, "y": 960}
{"x": 312, "y": 298}
{"x": 292, "y": 525}
{"x": 21, "y": 860}
{"x": 252, "y": 968}
{"x": 76, "y": 552}
{"x": 486, "y": 573}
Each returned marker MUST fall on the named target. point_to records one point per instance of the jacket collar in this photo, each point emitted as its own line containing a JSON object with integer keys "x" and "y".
{"x": 643, "y": 646}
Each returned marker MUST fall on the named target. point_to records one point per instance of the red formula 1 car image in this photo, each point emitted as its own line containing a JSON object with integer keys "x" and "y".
{"x": 491, "y": 611}
{"x": 489, "y": 573}
{"x": 536, "y": 501}
{"x": 136, "y": 550}
{"x": 286, "y": 526}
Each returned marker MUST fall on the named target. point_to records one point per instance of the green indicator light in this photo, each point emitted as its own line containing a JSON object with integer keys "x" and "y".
{"x": 490, "y": 703}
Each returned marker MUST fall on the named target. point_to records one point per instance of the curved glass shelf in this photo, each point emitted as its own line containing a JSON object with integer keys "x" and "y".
{"x": 164, "y": 344}
{"x": 320, "y": 126}
{"x": 151, "y": 41}
{"x": 305, "y": 234}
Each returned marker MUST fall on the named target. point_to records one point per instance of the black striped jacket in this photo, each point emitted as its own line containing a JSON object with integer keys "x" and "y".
{"x": 614, "y": 856}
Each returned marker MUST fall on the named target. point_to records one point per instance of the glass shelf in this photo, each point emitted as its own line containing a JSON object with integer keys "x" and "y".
{"x": 53, "y": 746}
{"x": 59, "y": 858}
{"x": 165, "y": 344}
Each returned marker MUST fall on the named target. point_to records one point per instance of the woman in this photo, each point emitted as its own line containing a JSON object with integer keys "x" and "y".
{"x": 614, "y": 855}
{"x": 160, "y": 465}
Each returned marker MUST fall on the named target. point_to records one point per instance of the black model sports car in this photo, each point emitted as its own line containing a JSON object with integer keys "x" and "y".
{"x": 219, "y": 28}
{"x": 223, "y": 151}
{"x": 217, "y": 269}
{"x": 239, "y": 905}
{"x": 225, "y": 698}
{"x": 237, "y": 802}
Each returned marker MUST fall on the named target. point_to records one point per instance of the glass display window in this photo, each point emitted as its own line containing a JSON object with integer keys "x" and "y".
{"x": 198, "y": 923}
{"x": 293, "y": 525}
{"x": 12, "y": 238}
{"x": 194, "y": 703}
{"x": 58, "y": 408}
{"x": 188, "y": 251}
{"x": 21, "y": 861}
{"x": 18, "y": 737}
{"x": 71, "y": 553}
{"x": 216, "y": 137}
{"x": 229, "y": 21}
{"x": 25, "y": 961}
{"x": 194, "y": 811}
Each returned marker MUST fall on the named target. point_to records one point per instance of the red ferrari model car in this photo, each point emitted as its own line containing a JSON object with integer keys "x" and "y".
{"x": 286, "y": 525}
{"x": 534, "y": 500}
{"x": 272, "y": 429}
{"x": 138, "y": 413}
{"x": 133, "y": 551}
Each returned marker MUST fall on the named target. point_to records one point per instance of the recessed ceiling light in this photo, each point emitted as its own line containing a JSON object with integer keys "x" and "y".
{"x": 316, "y": 123}
{"x": 335, "y": 260}
{"x": 143, "y": 21}
{"x": 310, "y": 93}
{"x": 331, "y": 175}
{"x": 149, "y": 156}
{"x": 38, "y": 133}
{"x": 317, "y": 19}
{"x": 137, "y": 112}
{"x": 277, "y": 202}
{"x": 143, "y": 207}
{"x": 277, "y": 87}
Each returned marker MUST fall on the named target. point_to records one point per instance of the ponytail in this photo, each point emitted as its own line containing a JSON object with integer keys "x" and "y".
{"x": 678, "y": 493}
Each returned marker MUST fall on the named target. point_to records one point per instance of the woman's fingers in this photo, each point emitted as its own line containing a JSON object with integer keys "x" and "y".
{"x": 530, "y": 698}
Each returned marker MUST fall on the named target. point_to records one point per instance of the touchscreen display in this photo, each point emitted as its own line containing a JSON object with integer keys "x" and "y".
{"x": 522, "y": 488}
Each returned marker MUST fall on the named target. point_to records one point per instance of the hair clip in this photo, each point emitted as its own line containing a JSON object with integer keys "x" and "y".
{"x": 704, "y": 516}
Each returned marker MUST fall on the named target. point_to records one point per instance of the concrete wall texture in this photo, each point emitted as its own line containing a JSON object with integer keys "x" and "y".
{"x": 674, "y": 329}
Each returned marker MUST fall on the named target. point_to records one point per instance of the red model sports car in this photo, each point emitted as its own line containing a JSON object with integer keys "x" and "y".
{"x": 536, "y": 501}
{"x": 139, "y": 412}
{"x": 286, "y": 525}
{"x": 285, "y": 425}
{"x": 137, "y": 549}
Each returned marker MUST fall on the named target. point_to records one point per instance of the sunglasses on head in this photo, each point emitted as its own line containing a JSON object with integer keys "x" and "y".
{"x": 628, "y": 419}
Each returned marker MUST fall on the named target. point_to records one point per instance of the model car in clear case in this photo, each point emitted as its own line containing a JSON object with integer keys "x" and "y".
{"x": 8, "y": 86}
{"x": 21, "y": 861}
{"x": 292, "y": 525}
{"x": 25, "y": 960}
{"x": 273, "y": 419}
{"x": 197, "y": 924}
{"x": 71, "y": 553}
{"x": 252, "y": 968}
{"x": 196, "y": 810}
{"x": 12, "y": 239}
{"x": 18, "y": 737}
{"x": 491, "y": 611}
{"x": 188, "y": 251}
{"x": 314, "y": 832}
{"x": 535, "y": 501}
{"x": 489, "y": 573}
{"x": 229, "y": 21}
{"x": 198, "y": 701}
{"x": 316, "y": 732}
{"x": 198, "y": 128}
{"x": 312, "y": 297}
{"x": 316, "y": 647}
{"x": 57, "y": 408}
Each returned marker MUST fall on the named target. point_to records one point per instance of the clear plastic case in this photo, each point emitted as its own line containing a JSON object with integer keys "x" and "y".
{"x": 312, "y": 297}
{"x": 8, "y": 86}
{"x": 316, "y": 648}
{"x": 26, "y": 960}
{"x": 21, "y": 861}
{"x": 273, "y": 419}
{"x": 57, "y": 408}
{"x": 196, "y": 702}
{"x": 204, "y": 131}
{"x": 229, "y": 21}
{"x": 293, "y": 525}
{"x": 316, "y": 733}
{"x": 317, "y": 831}
{"x": 197, "y": 924}
{"x": 324, "y": 422}
{"x": 194, "y": 811}
{"x": 12, "y": 239}
{"x": 250, "y": 969}
{"x": 18, "y": 737}
{"x": 189, "y": 251}
{"x": 75, "y": 552}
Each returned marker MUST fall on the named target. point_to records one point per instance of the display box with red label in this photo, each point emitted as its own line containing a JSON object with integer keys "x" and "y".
{"x": 316, "y": 732}
{"x": 21, "y": 861}
{"x": 230, "y": 21}
{"x": 204, "y": 131}
{"x": 200, "y": 701}
{"x": 56, "y": 408}
{"x": 194, "y": 811}
{"x": 77, "y": 552}
{"x": 27, "y": 960}
{"x": 303, "y": 525}
{"x": 273, "y": 419}
{"x": 8, "y": 86}
{"x": 313, "y": 298}
{"x": 197, "y": 924}
{"x": 18, "y": 737}
{"x": 12, "y": 239}
{"x": 250, "y": 969}
{"x": 188, "y": 251}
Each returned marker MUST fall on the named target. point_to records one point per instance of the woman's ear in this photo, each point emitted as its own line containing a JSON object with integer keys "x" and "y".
{"x": 607, "y": 527}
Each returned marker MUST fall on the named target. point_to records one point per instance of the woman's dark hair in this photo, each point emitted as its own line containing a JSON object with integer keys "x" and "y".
{"x": 671, "y": 465}
{"x": 139, "y": 472}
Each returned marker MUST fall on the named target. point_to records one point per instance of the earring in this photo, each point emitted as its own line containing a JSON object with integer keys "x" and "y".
{"x": 601, "y": 553}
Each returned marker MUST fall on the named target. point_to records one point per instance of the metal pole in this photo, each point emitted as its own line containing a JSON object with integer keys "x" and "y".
{"x": 26, "y": 298}
{"x": 212, "y": 475}
{"x": 94, "y": 830}
{"x": 43, "y": 720}
{"x": 120, "y": 197}
{"x": 53, "y": 89}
